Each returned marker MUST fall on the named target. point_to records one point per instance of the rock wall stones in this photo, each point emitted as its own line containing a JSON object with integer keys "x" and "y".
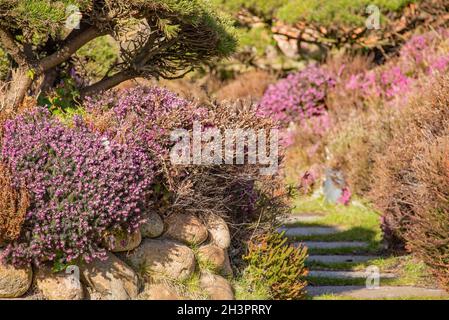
{"x": 14, "y": 282}
{"x": 186, "y": 228}
{"x": 111, "y": 279}
{"x": 122, "y": 242}
{"x": 159, "y": 291}
{"x": 154, "y": 226}
{"x": 58, "y": 286}
{"x": 160, "y": 259}
{"x": 217, "y": 287}
{"x": 149, "y": 264}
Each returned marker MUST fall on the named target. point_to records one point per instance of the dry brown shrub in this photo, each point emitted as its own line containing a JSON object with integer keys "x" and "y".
{"x": 354, "y": 144}
{"x": 305, "y": 155}
{"x": 396, "y": 182}
{"x": 14, "y": 204}
{"x": 249, "y": 85}
{"x": 428, "y": 233}
{"x": 230, "y": 191}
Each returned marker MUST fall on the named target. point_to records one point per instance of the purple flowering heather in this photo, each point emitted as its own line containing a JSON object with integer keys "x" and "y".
{"x": 82, "y": 185}
{"x": 299, "y": 96}
{"x": 138, "y": 111}
{"x": 423, "y": 55}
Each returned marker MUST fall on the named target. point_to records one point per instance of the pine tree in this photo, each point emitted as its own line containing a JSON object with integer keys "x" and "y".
{"x": 157, "y": 39}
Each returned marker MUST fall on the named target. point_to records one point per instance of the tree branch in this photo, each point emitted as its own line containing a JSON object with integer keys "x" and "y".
{"x": 11, "y": 47}
{"x": 69, "y": 48}
{"x": 106, "y": 83}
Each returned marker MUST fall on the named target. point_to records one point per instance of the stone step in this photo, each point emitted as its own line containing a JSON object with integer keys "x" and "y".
{"x": 301, "y": 219}
{"x": 347, "y": 274}
{"x": 335, "y": 245}
{"x": 341, "y": 258}
{"x": 309, "y": 231}
{"x": 361, "y": 292}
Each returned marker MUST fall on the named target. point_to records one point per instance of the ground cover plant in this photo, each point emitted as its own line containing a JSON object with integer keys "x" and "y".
{"x": 280, "y": 266}
{"x": 69, "y": 216}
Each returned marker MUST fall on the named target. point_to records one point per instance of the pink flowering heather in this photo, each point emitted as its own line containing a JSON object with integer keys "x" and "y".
{"x": 298, "y": 97}
{"x": 82, "y": 185}
{"x": 147, "y": 114}
{"x": 345, "y": 198}
{"x": 421, "y": 56}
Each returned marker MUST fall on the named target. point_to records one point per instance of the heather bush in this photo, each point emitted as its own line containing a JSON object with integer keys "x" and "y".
{"x": 82, "y": 184}
{"x": 398, "y": 184}
{"x": 237, "y": 193}
{"x": 422, "y": 56}
{"x": 341, "y": 101}
{"x": 365, "y": 102}
{"x": 249, "y": 85}
{"x": 275, "y": 263}
{"x": 14, "y": 203}
{"x": 428, "y": 233}
{"x": 299, "y": 97}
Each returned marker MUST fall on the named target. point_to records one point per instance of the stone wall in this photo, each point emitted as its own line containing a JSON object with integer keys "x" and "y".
{"x": 180, "y": 257}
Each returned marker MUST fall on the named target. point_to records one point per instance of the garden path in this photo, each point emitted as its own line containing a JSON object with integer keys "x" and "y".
{"x": 345, "y": 251}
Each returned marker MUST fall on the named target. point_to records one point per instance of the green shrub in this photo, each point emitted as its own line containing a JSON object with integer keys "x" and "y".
{"x": 328, "y": 13}
{"x": 259, "y": 38}
{"x": 277, "y": 264}
{"x": 265, "y": 8}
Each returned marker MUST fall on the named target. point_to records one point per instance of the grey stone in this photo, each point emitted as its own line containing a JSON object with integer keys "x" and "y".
{"x": 347, "y": 274}
{"x": 341, "y": 258}
{"x": 122, "y": 242}
{"x": 333, "y": 185}
{"x": 361, "y": 292}
{"x": 335, "y": 245}
{"x": 301, "y": 218}
{"x": 309, "y": 231}
{"x": 153, "y": 227}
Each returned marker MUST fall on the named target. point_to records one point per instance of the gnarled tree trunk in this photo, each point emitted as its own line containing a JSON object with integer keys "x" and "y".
{"x": 18, "y": 88}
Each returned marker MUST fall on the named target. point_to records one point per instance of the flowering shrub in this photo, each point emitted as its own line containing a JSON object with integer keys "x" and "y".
{"x": 81, "y": 183}
{"x": 235, "y": 192}
{"x": 143, "y": 114}
{"x": 298, "y": 97}
{"x": 421, "y": 56}
{"x": 366, "y": 103}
